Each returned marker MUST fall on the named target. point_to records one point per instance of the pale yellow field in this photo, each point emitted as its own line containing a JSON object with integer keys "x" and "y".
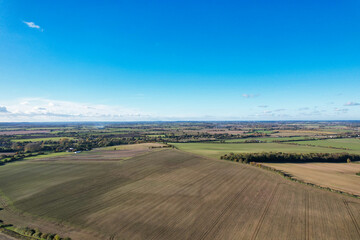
{"x": 340, "y": 176}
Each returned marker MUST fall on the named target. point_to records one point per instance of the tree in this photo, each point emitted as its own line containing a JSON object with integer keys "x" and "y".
{"x": 32, "y": 147}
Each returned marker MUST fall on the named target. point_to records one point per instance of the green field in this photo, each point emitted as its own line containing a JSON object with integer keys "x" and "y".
{"x": 55, "y": 139}
{"x": 348, "y": 143}
{"x": 268, "y": 139}
{"x": 216, "y": 150}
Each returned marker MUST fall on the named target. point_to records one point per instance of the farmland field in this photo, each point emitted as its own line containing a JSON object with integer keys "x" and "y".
{"x": 41, "y": 139}
{"x": 170, "y": 194}
{"x": 339, "y": 176}
{"x": 216, "y": 150}
{"x": 345, "y": 143}
{"x": 268, "y": 139}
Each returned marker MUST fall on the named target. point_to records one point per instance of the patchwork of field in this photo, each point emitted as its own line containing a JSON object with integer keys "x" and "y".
{"x": 23, "y": 132}
{"x": 215, "y": 150}
{"x": 339, "y": 176}
{"x": 113, "y": 153}
{"x": 267, "y": 139}
{"x": 171, "y": 194}
{"x": 352, "y": 144}
{"x": 55, "y": 139}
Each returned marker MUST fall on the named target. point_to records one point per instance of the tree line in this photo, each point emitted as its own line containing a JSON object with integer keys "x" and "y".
{"x": 280, "y": 157}
{"x": 28, "y": 233}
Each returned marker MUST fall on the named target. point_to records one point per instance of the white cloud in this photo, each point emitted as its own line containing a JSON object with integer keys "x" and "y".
{"x": 3, "y": 110}
{"x": 39, "y": 109}
{"x": 245, "y": 95}
{"x": 341, "y": 110}
{"x": 352, "y": 104}
{"x": 33, "y": 25}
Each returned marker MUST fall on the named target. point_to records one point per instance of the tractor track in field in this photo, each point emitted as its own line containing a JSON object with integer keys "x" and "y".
{"x": 257, "y": 229}
{"x": 187, "y": 186}
{"x": 229, "y": 205}
{"x": 112, "y": 237}
{"x": 346, "y": 203}
{"x": 307, "y": 225}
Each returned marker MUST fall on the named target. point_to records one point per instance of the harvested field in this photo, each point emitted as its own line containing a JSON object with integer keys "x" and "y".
{"x": 22, "y": 132}
{"x": 113, "y": 153}
{"x": 55, "y": 139}
{"x": 171, "y": 194}
{"x": 339, "y": 176}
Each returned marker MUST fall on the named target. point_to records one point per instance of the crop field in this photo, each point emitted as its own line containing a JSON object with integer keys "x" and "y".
{"x": 345, "y": 143}
{"x": 113, "y": 153}
{"x": 267, "y": 139}
{"x": 290, "y": 133}
{"x": 55, "y": 139}
{"x": 23, "y": 132}
{"x": 216, "y": 150}
{"x": 339, "y": 176}
{"x": 170, "y": 194}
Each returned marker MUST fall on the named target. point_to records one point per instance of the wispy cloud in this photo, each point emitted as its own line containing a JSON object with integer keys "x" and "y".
{"x": 352, "y": 104}
{"x": 33, "y": 25}
{"x": 341, "y": 110}
{"x": 38, "y": 109}
{"x": 3, "y": 110}
{"x": 245, "y": 95}
{"x": 263, "y": 106}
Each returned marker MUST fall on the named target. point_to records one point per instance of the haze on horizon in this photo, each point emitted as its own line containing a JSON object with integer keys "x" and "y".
{"x": 179, "y": 60}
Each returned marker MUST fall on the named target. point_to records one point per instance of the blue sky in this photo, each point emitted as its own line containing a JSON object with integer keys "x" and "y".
{"x": 179, "y": 60}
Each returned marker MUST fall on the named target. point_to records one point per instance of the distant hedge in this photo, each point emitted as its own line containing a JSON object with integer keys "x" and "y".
{"x": 279, "y": 157}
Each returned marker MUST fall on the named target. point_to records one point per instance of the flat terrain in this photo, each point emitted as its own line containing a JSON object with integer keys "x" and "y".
{"x": 113, "y": 153}
{"x": 55, "y": 139}
{"x": 267, "y": 139}
{"x": 215, "y": 150}
{"x": 23, "y": 132}
{"x": 340, "y": 176}
{"x": 352, "y": 144}
{"x": 170, "y": 194}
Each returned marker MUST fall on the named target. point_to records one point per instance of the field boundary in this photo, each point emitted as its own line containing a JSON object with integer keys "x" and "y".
{"x": 294, "y": 179}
